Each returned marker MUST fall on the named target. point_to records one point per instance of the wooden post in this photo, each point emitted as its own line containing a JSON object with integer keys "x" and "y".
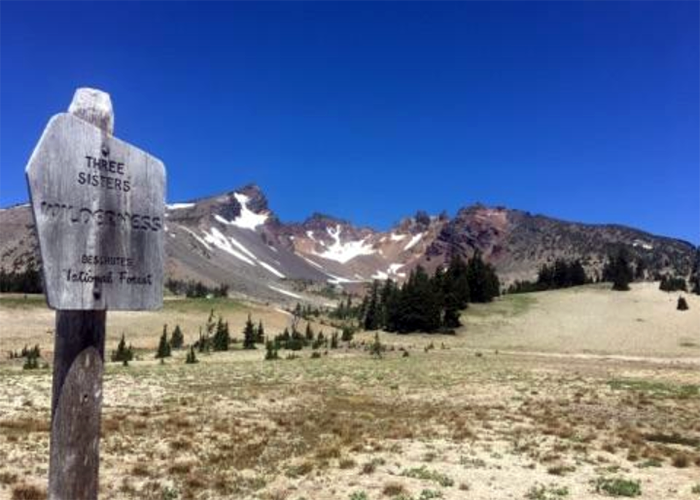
{"x": 76, "y": 402}
{"x": 99, "y": 209}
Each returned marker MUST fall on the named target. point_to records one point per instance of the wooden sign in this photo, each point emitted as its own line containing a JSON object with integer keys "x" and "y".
{"x": 99, "y": 206}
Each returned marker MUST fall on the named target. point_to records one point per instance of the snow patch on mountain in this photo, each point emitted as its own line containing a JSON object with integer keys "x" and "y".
{"x": 643, "y": 244}
{"x": 394, "y": 268}
{"x": 247, "y": 219}
{"x": 343, "y": 252}
{"x": 271, "y": 269}
{"x": 380, "y": 275}
{"x": 242, "y": 248}
{"x": 284, "y": 292}
{"x": 265, "y": 265}
{"x": 179, "y": 206}
{"x": 197, "y": 238}
{"x": 222, "y": 220}
{"x": 397, "y": 237}
{"x": 337, "y": 280}
{"x": 413, "y": 241}
{"x": 392, "y": 271}
{"x": 315, "y": 264}
{"x": 217, "y": 239}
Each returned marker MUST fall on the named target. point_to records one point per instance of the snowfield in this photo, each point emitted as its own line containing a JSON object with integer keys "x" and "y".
{"x": 380, "y": 275}
{"x": 343, "y": 252}
{"x": 337, "y": 280}
{"x": 242, "y": 248}
{"x": 218, "y": 239}
{"x": 391, "y": 272}
{"x": 227, "y": 244}
{"x": 204, "y": 243}
{"x": 271, "y": 269}
{"x": 285, "y": 292}
{"x": 413, "y": 241}
{"x": 643, "y": 244}
{"x": 394, "y": 268}
{"x": 179, "y": 206}
{"x": 315, "y": 264}
{"x": 247, "y": 218}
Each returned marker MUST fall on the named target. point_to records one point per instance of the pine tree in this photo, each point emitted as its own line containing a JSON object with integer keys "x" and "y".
{"x": 249, "y": 334}
{"x": 577, "y": 274}
{"x": 211, "y": 324}
{"x": 334, "y": 340}
{"x": 376, "y": 348}
{"x": 619, "y": 271}
{"x": 309, "y": 333}
{"x": 191, "y": 357}
{"x": 673, "y": 284}
{"x": 450, "y": 318}
{"x": 484, "y": 285}
{"x": 372, "y": 319}
{"x": 695, "y": 274}
{"x": 177, "y": 339}
{"x": 297, "y": 341}
{"x": 640, "y": 270}
{"x": 346, "y": 334}
{"x": 418, "y": 307}
{"x": 682, "y": 304}
{"x": 385, "y": 299}
{"x": 32, "y": 360}
{"x": 456, "y": 281}
{"x": 123, "y": 353}
{"x": 222, "y": 338}
{"x": 204, "y": 342}
{"x": 362, "y": 311}
{"x": 271, "y": 351}
{"x": 163, "y": 346}
{"x": 260, "y": 333}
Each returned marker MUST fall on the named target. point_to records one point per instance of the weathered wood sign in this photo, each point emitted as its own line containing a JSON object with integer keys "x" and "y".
{"x": 99, "y": 206}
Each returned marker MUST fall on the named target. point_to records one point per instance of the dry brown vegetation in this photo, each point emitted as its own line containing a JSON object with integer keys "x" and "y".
{"x": 442, "y": 423}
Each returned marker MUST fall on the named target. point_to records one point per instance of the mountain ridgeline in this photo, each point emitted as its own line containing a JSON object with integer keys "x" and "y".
{"x": 234, "y": 240}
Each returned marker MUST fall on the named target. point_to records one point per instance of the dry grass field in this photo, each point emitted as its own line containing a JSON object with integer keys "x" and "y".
{"x": 571, "y": 394}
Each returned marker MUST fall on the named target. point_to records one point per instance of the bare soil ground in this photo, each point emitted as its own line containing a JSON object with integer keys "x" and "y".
{"x": 555, "y": 395}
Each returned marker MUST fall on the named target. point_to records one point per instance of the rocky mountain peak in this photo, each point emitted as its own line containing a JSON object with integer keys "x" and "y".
{"x": 321, "y": 221}
{"x": 235, "y": 238}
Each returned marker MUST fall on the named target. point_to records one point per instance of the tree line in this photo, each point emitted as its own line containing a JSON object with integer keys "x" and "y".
{"x": 427, "y": 303}
{"x": 560, "y": 274}
{"x": 195, "y": 289}
{"x": 25, "y": 281}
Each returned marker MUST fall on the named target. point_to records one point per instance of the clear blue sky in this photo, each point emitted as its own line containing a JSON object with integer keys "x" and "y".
{"x": 370, "y": 111}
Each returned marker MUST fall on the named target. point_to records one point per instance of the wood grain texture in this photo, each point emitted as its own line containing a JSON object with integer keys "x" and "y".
{"x": 99, "y": 206}
{"x": 76, "y": 403}
{"x": 75, "y": 427}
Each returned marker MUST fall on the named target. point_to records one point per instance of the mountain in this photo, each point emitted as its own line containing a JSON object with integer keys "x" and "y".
{"x": 236, "y": 239}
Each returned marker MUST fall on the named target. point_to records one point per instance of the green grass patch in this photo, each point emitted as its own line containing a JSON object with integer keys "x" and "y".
{"x": 184, "y": 305}
{"x": 20, "y": 301}
{"x": 618, "y": 487}
{"x": 656, "y": 389}
{"x": 551, "y": 492}
{"x": 505, "y": 306}
{"x": 428, "y": 475}
{"x": 652, "y": 462}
